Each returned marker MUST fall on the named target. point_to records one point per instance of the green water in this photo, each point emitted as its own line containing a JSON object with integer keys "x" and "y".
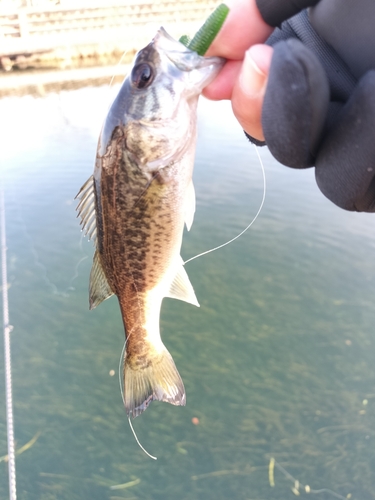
{"x": 279, "y": 360}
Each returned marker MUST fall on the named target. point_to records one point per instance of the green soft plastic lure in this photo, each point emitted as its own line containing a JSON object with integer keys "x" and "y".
{"x": 206, "y": 34}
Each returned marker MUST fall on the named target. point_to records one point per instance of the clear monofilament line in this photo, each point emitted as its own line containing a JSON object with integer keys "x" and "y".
{"x": 138, "y": 443}
{"x": 117, "y": 65}
{"x": 123, "y": 400}
{"x": 248, "y": 226}
{"x": 7, "y": 357}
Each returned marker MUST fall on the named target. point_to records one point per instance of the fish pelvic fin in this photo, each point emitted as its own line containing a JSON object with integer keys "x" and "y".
{"x": 153, "y": 378}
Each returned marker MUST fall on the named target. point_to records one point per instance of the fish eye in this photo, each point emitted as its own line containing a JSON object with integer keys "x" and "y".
{"x": 141, "y": 76}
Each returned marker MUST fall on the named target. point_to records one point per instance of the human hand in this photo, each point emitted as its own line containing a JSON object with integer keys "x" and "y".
{"x": 243, "y": 78}
{"x": 313, "y": 105}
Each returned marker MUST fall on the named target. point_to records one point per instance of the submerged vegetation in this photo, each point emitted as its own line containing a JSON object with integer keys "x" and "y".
{"x": 278, "y": 362}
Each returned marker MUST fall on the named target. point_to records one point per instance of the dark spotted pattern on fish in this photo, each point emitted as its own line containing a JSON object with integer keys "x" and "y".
{"x": 143, "y": 194}
{"x": 138, "y": 221}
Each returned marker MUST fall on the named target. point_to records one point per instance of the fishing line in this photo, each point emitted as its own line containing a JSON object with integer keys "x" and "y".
{"x": 7, "y": 357}
{"x": 192, "y": 258}
{"x": 37, "y": 262}
{"x": 115, "y": 74}
{"x": 139, "y": 444}
{"x": 249, "y": 225}
{"x": 118, "y": 64}
{"x": 123, "y": 400}
{"x": 120, "y": 371}
{"x": 44, "y": 271}
{"x": 76, "y": 273}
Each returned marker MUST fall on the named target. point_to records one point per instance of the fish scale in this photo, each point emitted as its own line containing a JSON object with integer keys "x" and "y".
{"x": 136, "y": 204}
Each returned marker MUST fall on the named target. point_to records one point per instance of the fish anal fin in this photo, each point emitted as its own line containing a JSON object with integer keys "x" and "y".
{"x": 155, "y": 379}
{"x": 99, "y": 289}
{"x": 181, "y": 288}
{"x": 190, "y": 206}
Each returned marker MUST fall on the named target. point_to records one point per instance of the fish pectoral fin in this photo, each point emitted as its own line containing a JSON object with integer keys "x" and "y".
{"x": 181, "y": 288}
{"x": 155, "y": 378}
{"x": 99, "y": 289}
{"x": 190, "y": 206}
{"x": 86, "y": 209}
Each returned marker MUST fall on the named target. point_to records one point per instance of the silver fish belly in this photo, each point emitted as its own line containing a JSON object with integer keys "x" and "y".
{"x": 136, "y": 203}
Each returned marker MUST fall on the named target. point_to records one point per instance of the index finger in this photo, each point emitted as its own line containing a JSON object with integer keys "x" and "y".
{"x": 243, "y": 27}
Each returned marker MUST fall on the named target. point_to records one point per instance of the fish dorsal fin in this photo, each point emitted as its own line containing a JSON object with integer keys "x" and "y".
{"x": 181, "y": 288}
{"x": 86, "y": 209}
{"x": 99, "y": 287}
{"x": 190, "y": 206}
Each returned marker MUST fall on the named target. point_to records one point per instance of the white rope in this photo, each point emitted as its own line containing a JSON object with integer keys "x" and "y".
{"x": 8, "y": 369}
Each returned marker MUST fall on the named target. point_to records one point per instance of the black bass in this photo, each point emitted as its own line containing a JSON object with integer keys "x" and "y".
{"x": 135, "y": 205}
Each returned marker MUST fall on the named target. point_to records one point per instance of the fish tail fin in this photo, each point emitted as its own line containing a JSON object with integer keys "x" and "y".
{"x": 151, "y": 378}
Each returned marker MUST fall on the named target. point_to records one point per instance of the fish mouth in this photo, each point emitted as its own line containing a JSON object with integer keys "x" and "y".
{"x": 184, "y": 58}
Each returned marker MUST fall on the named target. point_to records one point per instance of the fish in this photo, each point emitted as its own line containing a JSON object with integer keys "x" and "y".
{"x": 136, "y": 203}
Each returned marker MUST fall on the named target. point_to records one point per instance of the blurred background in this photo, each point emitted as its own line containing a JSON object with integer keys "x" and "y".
{"x": 277, "y": 362}
{"x": 66, "y": 34}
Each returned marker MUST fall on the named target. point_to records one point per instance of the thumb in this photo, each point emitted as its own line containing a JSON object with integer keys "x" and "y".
{"x": 249, "y": 89}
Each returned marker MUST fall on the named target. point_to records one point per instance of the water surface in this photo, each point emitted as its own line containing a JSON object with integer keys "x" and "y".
{"x": 278, "y": 360}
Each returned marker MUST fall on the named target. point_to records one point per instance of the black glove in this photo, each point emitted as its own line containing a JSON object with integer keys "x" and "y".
{"x": 319, "y": 106}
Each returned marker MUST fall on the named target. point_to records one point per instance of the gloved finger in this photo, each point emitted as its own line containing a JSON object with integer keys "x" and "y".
{"x": 249, "y": 89}
{"x": 275, "y": 12}
{"x": 345, "y": 166}
{"x": 295, "y": 104}
{"x": 339, "y": 75}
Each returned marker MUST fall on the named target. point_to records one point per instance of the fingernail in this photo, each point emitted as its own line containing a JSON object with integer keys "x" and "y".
{"x": 252, "y": 78}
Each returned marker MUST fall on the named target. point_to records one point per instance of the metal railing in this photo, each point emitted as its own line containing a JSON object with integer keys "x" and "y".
{"x": 32, "y": 30}
{"x": 42, "y": 21}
